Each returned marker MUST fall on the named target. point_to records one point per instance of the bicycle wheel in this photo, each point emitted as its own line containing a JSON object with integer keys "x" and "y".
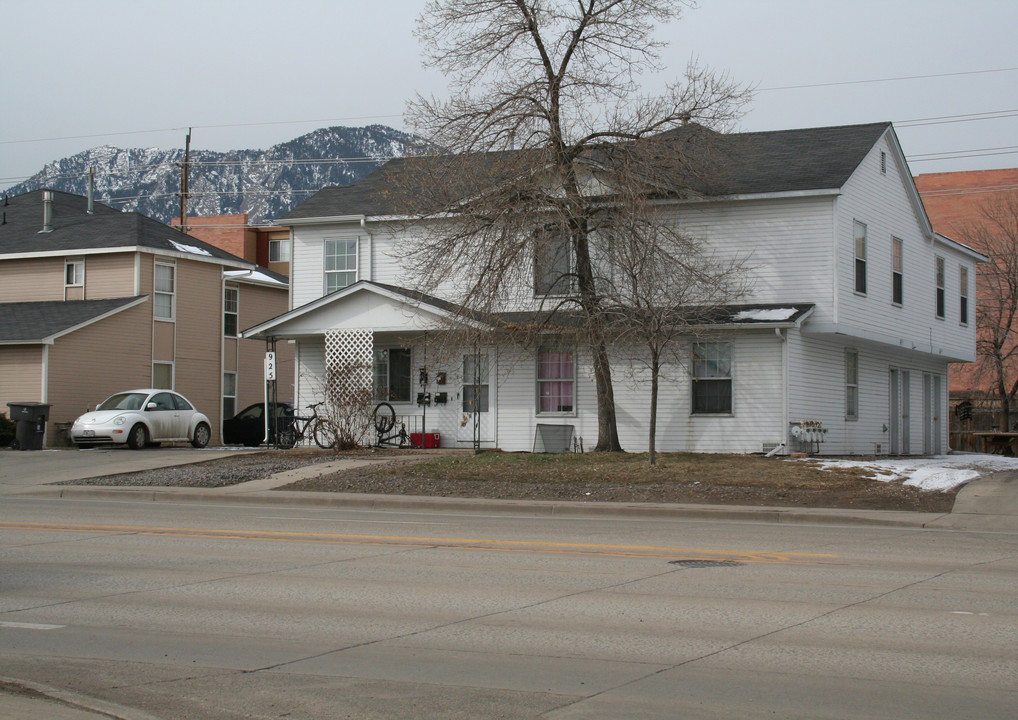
{"x": 286, "y": 438}
{"x": 385, "y": 418}
{"x": 325, "y": 434}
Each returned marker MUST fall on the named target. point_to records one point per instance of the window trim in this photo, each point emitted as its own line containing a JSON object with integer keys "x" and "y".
{"x": 227, "y": 396}
{"x": 349, "y": 241}
{"x": 554, "y": 289}
{"x": 173, "y": 372}
{"x": 939, "y": 279}
{"x": 171, "y": 294}
{"x": 694, "y": 379}
{"x": 540, "y": 381}
{"x": 851, "y": 384}
{"x": 77, "y": 268}
{"x": 963, "y": 295}
{"x": 897, "y": 271}
{"x": 280, "y": 243}
{"x": 859, "y": 266}
{"x": 227, "y": 313}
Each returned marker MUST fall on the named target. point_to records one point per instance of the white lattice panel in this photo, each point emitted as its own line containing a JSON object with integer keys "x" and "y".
{"x": 348, "y": 359}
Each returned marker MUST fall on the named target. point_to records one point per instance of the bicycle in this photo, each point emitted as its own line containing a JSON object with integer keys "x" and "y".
{"x": 385, "y": 422}
{"x": 319, "y": 428}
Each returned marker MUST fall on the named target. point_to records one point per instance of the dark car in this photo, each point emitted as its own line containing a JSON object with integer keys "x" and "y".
{"x": 248, "y": 426}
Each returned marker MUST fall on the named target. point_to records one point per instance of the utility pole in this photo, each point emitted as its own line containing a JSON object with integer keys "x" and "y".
{"x": 185, "y": 166}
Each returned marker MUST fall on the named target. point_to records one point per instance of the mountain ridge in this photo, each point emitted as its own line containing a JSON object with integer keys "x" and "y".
{"x": 264, "y": 184}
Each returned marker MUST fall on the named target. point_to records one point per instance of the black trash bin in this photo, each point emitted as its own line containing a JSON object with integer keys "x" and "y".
{"x": 30, "y": 429}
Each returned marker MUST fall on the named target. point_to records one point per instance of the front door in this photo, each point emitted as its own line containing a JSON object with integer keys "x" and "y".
{"x": 899, "y": 412}
{"x": 476, "y": 410}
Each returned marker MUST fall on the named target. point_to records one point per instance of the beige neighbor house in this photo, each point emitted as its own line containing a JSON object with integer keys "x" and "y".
{"x": 94, "y": 301}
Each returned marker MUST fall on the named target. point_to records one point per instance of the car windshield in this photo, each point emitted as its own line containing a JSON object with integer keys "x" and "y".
{"x": 123, "y": 401}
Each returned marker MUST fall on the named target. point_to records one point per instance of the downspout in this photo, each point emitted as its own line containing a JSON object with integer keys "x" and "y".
{"x": 44, "y": 395}
{"x": 784, "y": 390}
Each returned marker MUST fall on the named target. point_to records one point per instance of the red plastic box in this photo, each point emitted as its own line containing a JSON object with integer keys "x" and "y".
{"x": 431, "y": 440}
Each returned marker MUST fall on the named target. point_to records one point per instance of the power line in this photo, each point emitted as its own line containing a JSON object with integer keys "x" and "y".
{"x": 883, "y": 80}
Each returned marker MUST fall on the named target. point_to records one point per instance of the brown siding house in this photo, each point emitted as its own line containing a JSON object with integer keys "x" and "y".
{"x": 92, "y": 303}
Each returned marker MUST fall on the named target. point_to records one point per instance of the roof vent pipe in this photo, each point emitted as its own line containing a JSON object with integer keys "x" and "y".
{"x": 91, "y": 190}
{"x": 47, "y": 211}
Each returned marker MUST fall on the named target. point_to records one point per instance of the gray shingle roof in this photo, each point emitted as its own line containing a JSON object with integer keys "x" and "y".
{"x": 74, "y": 230}
{"x": 34, "y": 322}
{"x": 746, "y": 163}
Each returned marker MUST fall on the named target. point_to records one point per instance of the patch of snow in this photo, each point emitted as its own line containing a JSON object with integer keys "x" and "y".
{"x": 189, "y": 248}
{"x": 761, "y": 314}
{"x": 942, "y": 472}
{"x": 256, "y": 276}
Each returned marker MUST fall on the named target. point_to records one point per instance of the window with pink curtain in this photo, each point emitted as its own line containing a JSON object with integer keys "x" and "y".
{"x": 555, "y": 381}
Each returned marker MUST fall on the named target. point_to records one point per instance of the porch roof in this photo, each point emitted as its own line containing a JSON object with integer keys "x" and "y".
{"x": 388, "y": 308}
{"x": 42, "y": 322}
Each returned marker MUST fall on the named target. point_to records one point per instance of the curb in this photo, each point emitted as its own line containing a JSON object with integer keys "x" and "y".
{"x": 539, "y": 508}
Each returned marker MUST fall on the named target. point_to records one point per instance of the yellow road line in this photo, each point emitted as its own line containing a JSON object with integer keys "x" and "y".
{"x": 457, "y": 543}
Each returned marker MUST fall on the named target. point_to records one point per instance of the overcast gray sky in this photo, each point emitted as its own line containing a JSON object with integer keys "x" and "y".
{"x": 252, "y": 73}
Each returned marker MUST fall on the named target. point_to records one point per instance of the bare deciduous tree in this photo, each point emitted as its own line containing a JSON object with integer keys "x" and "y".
{"x": 545, "y": 110}
{"x": 995, "y": 233}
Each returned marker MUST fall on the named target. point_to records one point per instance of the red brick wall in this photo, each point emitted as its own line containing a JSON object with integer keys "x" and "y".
{"x": 226, "y": 232}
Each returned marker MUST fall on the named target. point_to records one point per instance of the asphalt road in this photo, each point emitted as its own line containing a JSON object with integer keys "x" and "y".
{"x": 261, "y": 610}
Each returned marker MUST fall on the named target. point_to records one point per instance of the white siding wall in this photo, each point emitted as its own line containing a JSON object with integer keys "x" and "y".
{"x": 817, "y": 392}
{"x": 786, "y": 243}
{"x": 880, "y": 202}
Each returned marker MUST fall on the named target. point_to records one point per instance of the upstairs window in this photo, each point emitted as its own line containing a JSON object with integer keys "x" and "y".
{"x": 340, "y": 264}
{"x": 712, "y": 378}
{"x": 897, "y": 271}
{"x": 963, "y": 283}
{"x": 851, "y": 385}
{"x": 553, "y": 266}
{"x": 74, "y": 273}
{"x": 231, "y": 297}
{"x": 165, "y": 291}
{"x": 279, "y": 251}
{"x": 941, "y": 294}
{"x": 392, "y": 374}
{"x": 556, "y": 380}
{"x": 860, "y": 257}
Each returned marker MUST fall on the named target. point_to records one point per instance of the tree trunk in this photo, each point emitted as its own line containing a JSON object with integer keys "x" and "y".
{"x": 655, "y": 368}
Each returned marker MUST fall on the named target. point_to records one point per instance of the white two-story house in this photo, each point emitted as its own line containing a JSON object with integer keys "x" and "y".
{"x": 842, "y": 347}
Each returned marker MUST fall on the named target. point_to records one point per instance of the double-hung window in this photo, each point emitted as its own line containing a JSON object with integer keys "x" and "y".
{"x": 851, "y": 385}
{"x": 553, "y": 263}
{"x": 556, "y": 380}
{"x": 712, "y": 378}
{"x": 897, "y": 271}
{"x": 860, "y": 257}
{"x": 392, "y": 374}
{"x": 340, "y": 263}
{"x": 230, "y": 305}
{"x": 229, "y": 395}
{"x": 941, "y": 290}
{"x": 963, "y": 305}
{"x": 165, "y": 291}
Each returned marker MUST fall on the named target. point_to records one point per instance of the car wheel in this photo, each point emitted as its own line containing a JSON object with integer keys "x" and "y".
{"x": 138, "y": 437}
{"x": 202, "y": 433}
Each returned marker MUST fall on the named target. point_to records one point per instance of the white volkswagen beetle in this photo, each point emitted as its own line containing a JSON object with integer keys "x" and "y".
{"x": 140, "y": 417}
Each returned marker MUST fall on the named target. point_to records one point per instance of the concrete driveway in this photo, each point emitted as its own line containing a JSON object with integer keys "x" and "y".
{"x": 20, "y": 470}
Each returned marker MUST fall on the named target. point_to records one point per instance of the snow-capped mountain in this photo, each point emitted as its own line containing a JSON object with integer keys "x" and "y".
{"x": 265, "y": 184}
